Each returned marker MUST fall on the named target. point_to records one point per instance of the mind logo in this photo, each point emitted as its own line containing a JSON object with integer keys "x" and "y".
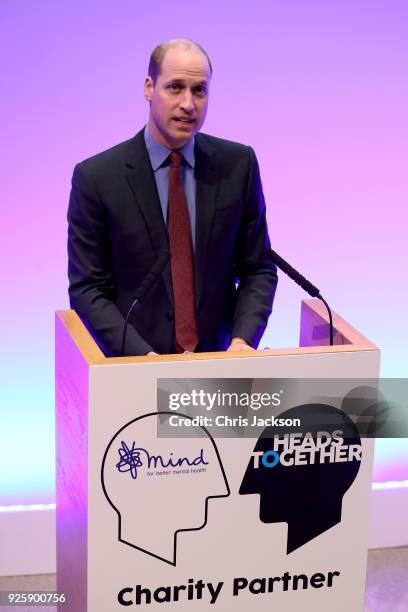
{"x": 133, "y": 458}
{"x": 163, "y": 486}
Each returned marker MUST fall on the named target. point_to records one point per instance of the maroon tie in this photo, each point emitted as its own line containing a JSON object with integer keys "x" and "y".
{"x": 182, "y": 260}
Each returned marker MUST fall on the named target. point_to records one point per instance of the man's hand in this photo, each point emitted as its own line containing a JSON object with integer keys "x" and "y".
{"x": 151, "y": 353}
{"x": 238, "y": 344}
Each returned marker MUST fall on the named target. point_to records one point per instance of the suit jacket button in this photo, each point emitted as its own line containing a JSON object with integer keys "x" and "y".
{"x": 169, "y": 316}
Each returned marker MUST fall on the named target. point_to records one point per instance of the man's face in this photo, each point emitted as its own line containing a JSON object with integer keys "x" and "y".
{"x": 179, "y": 98}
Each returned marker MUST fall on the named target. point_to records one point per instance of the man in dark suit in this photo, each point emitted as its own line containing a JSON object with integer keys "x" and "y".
{"x": 173, "y": 189}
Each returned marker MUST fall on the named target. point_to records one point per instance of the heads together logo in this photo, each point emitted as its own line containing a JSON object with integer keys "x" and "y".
{"x": 301, "y": 477}
{"x": 160, "y": 487}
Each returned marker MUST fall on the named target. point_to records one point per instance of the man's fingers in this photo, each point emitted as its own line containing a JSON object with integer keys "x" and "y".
{"x": 240, "y": 346}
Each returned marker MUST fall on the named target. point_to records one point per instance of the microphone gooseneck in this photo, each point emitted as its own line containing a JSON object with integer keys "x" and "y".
{"x": 304, "y": 283}
{"x": 141, "y": 292}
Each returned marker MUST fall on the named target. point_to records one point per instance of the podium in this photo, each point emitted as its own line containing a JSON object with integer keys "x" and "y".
{"x": 149, "y": 522}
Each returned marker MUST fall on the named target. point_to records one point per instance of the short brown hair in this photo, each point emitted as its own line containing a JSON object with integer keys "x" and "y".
{"x": 158, "y": 53}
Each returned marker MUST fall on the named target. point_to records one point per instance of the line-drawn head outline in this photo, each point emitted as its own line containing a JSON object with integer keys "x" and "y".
{"x": 126, "y": 457}
{"x": 307, "y": 497}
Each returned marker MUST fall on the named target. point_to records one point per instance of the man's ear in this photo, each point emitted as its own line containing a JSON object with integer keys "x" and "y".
{"x": 148, "y": 88}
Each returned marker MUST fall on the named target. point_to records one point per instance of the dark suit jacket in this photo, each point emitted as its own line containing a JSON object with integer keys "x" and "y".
{"x": 116, "y": 231}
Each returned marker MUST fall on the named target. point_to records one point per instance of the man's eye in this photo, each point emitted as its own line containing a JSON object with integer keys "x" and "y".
{"x": 201, "y": 91}
{"x": 175, "y": 87}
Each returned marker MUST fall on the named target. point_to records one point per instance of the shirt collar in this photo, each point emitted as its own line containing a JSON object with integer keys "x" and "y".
{"x": 158, "y": 153}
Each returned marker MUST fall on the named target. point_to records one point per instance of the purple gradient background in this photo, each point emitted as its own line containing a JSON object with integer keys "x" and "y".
{"x": 319, "y": 89}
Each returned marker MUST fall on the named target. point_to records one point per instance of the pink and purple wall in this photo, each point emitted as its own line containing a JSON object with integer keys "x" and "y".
{"x": 319, "y": 89}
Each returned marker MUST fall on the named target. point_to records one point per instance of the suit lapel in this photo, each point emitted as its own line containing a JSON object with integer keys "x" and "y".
{"x": 206, "y": 194}
{"x": 143, "y": 185}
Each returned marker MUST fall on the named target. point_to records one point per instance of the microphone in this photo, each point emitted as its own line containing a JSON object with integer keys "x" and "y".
{"x": 141, "y": 292}
{"x": 302, "y": 282}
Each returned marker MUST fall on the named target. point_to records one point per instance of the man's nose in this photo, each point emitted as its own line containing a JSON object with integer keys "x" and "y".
{"x": 187, "y": 102}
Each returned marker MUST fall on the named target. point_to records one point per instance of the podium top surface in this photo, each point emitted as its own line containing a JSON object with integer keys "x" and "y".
{"x": 314, "y": 334}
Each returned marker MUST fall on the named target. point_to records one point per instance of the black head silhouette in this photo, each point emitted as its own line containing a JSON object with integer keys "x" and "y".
{"x": 302, "y": 476}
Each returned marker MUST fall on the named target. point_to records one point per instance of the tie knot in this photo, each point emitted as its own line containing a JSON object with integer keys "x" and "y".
{"x": 175, "y": 159}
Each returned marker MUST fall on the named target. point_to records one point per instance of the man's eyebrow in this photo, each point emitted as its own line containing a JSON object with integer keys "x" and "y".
{"x": 180, "y": 81}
